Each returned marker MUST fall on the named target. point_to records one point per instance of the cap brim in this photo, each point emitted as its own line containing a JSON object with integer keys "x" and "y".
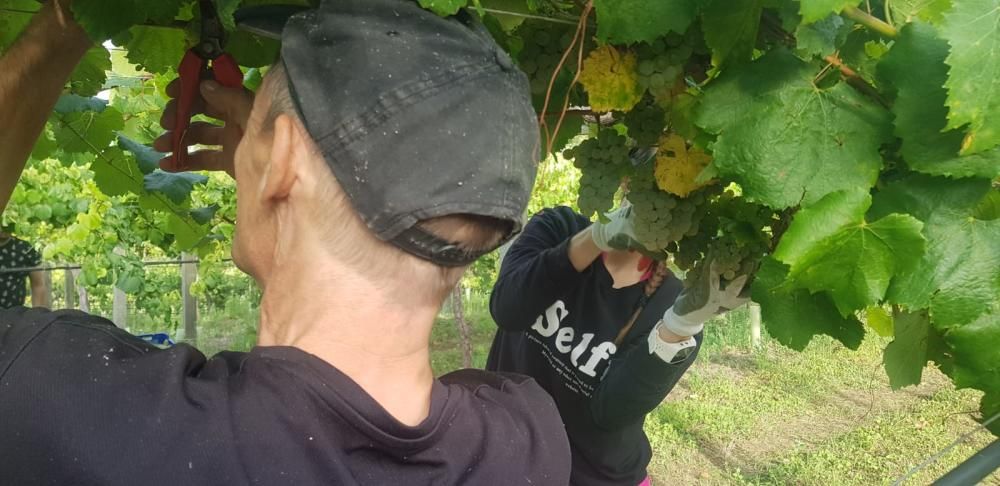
{"x": 266, "y": 20}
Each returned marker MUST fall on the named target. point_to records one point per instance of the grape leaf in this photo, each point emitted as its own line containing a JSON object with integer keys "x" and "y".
{"x": 910, "y": 10}
{"x": 976, "y": 348}
{"x": 89, "y": 76}
{"x": 830, "y": 247}
{"x": 253, "y": 79}
{"x": 87, "y": 131}
{"x": 147, "y": 158}
{"x": 155, "y": 49}
{"x": 187, "y": 233}
{"x": 629, "y": 21}
{"x": 915, "y": 67}
{"x": 44, "y": 147}
{"x": 957, "y": 277}
{"x": 856, "y": 264}
{"x": 822, "y": 37}
{"x": 814, "y": 10}
{"x": 857, "y": 50}
{"x": 176, "y": 186}
{"x": 907, "y": 355}
{"x": 730, "y": 28}
{"x": 70, "y": 103}
{"x": 205, "y": 214}
{"x": 14, "y": 17}
{"x": 161, "y": 11}
{"x": 610, "y": 78}
{"x": 444, "y": 8}
{"x": 102, "y": 19}
{"x": 783, "y": 139}
{"x": 819, "y": 221}
{"x": 226, "y": 9}
{"x": 794, "y": 316}
{"x": 989, "y": 208}
{"x": 971, "y": 28}
{"x": 252, "y": 51}
{"x": 880, "y": 320}
{"x": 116, "y": 174}
{"x": 677, "y": 168}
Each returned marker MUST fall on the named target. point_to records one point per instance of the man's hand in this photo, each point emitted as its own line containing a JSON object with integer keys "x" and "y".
{"x": 697, "y": 304}
{"x": 231, "y": 106}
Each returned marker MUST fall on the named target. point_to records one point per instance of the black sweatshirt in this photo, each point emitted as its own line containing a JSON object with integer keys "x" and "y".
{"x": 558, "y": 326}
{"x": 84, "y": 403}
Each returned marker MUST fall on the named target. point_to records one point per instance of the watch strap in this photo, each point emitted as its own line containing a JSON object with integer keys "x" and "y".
{"x": 669, "y": 352}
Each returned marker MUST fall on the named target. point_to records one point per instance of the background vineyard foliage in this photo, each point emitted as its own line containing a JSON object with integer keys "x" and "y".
{"x": 848, "y": 149}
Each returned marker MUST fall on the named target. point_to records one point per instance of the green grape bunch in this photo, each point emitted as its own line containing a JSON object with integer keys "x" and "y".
{"x": 735, "y": 238}
{"x": 662, "y": 218}
{"x": 661, "y": 62}
{"x": 544, "y": 46}
{"x": 646, "y": 122}
{"x": 602, "y": 161}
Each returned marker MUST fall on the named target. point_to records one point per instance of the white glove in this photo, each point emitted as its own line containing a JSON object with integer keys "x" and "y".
{"x": 696, "y": 305}
{"x": 616, "y": 234}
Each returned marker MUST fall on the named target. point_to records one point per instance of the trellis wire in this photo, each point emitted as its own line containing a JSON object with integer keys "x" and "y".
{"x": 79, "y": 267}
{"x": 947, "y": 449}
{"x": 528, "y": 16}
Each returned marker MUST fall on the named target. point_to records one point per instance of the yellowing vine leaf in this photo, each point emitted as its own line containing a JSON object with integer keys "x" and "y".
{"x": 611, "y": 80}
{"x": 678, "y": 167}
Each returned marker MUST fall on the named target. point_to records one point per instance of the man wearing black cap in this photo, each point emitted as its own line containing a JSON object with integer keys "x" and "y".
{"x": 385, "y": 152}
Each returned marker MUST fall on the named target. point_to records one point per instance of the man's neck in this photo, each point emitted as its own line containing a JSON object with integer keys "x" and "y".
{"x": 380, "y": 341}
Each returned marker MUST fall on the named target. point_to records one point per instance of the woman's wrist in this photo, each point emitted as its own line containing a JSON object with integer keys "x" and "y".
{"x": 582, "y": 250}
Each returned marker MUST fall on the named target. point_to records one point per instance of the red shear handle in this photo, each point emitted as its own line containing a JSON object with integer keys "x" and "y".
{"x": 190, "y": 77}
{"x": 224, "y": 70}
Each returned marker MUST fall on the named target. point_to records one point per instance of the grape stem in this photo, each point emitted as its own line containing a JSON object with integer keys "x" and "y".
{"x": 580, "y": 37}
{"x": 871, "y": 22}
{"x": 855, "y": 80}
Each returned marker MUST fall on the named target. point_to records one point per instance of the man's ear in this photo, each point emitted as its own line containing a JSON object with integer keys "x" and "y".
{"x": 279, "y": 176}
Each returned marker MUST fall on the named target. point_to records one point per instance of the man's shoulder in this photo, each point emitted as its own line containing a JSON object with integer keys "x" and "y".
{"x": 21, "y": 325}
{"x": 511, "y": 390}
{"x": 517, "y": 420}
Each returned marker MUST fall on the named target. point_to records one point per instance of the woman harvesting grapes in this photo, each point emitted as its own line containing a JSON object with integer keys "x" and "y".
{"x": 604, "y": 329}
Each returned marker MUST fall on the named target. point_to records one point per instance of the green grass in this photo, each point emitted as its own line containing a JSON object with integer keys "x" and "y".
{"x": 743, "y": 416}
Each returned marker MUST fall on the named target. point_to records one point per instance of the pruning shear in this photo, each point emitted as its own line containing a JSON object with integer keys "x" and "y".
{"x": 206, "y": 60}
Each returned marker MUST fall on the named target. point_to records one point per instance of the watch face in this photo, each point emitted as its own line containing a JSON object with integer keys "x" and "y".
{"x": 682, "y": 355}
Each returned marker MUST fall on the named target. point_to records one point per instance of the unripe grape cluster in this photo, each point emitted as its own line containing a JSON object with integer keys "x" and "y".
{"x": 646, "y": 122}
{"x": 544, "y": 46}
{"x": 661, "y": 62}
{"x": 662, "y": 218}
{"x": 602, "y": 160}
{"x": 736, "y": 237}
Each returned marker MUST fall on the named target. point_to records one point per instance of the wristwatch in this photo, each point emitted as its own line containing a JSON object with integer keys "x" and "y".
{"x": 671, "y": 353}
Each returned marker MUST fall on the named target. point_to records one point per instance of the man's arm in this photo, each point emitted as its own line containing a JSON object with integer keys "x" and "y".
{"x": 39, "y": 295}
{"x": 32, "y": 75}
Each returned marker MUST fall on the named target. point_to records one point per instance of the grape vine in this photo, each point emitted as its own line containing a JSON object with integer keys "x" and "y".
{"x": 843, "y": 156}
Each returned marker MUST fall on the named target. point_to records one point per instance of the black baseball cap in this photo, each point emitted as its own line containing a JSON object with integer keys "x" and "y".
{"x": 418, "y": 116}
